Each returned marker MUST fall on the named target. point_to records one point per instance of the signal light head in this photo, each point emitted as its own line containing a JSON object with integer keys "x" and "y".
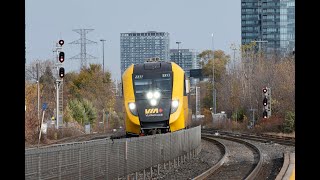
{"x": 61, "y": 56}
{"x": 264, "y": 90}
{"x": 61, "y": 42}
{"x": 265, "y": 114}
{"x": 265, "y": 101}
{"x": 61, "y": 72}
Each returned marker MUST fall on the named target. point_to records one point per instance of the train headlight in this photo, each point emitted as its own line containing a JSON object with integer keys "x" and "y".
{"x": 133, "y": 108}
{"x": 174, "y": 106}
{"x": 156, "y": 94}
{"x": 149, "y": 95}
{"x": 153, "y": 102}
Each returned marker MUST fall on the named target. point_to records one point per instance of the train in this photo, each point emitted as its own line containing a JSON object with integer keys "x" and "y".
{"x": 155, "y": 98}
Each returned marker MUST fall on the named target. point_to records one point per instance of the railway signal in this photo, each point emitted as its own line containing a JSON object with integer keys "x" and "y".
{"x": 61, "y": 58}
{"x": 266, "y": 102}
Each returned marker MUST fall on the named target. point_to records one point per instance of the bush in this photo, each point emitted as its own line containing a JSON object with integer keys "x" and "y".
{"x": 271, "y": 124}
{"x": 289, "y": 122}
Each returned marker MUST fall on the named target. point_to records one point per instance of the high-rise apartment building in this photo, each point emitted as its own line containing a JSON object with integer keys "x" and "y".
{"x": 270, "y": 23}
{"x": 137, "y": 47}
{"x": 187, "y": 59}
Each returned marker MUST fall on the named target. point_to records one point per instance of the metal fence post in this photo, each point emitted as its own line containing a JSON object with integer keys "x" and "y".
{"x": 60, "y": 162}
{"x": 39, "y": 166}
{"x": 79, "y": 163}
{"x": 93, "y": 154}
{"x": 126, "y": 158}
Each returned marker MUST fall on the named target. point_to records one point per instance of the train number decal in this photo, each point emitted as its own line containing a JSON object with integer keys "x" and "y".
{"x": 166, "y": 75}
{"x": 138, "y": 76}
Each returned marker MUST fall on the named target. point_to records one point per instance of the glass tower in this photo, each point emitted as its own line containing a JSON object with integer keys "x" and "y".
{"x": 137, "y": 47}
{"x": 270, "y": 23}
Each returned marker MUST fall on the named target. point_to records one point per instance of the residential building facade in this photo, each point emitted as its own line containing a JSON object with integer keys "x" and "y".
{"x": 136, "y": 47}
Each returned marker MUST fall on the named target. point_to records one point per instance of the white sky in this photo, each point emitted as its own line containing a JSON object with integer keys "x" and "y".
{"x": 190, "y": 21}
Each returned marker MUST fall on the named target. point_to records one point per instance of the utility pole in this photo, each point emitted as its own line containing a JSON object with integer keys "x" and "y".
{"x": 213, "y": 88}
{"x": 234, "y": 56}
{"x": 102, "y": 40}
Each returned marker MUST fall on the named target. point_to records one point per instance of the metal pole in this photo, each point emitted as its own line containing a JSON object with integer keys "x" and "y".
{"x": 178, "y": 42}
{"x": 234, "y": 57}
{"x": 196, "y": 103}
{"x": 102, "y": 40}
{"x": 38, "y": 91}
{"x": 57, "y": 111}
{"x": 41, "y": 127}
{"x": 213, "y": 88}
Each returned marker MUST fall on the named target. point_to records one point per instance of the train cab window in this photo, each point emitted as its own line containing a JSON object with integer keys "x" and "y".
{"x": 164, "y": 84}
{"x": 142, "y": 85}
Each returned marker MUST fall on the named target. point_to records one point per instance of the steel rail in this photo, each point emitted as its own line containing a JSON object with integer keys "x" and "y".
{"x": 217, "y": 165}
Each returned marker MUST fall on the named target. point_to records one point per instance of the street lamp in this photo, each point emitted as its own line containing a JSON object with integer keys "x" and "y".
{"x": 178, "y": 42}
{"x": 213, "y": 89}
{"x": 102, "y": 40}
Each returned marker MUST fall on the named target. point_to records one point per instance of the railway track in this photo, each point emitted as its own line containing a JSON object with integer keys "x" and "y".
{"x": 265, "y": 138}
{"x": 242, "y": 160}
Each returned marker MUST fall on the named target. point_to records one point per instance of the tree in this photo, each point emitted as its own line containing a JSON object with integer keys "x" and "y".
{"x": 48, "y": 90}
{"x": 94, "y": 85}
{"x": 81, "y": 111}
{"x": 31, "y": 117}
{"x": 220, "y": 62}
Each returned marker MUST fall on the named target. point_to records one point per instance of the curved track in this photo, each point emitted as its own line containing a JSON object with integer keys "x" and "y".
{"x": 244, "y": 160}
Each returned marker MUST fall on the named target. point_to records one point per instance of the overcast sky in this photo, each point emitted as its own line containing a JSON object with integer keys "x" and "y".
{"x": 190, "y": 21}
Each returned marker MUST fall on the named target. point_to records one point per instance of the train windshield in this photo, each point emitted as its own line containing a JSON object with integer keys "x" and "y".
{"x": 162, "y": 84}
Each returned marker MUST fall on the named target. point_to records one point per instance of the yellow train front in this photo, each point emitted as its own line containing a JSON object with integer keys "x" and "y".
{"x": 155, "y": 98}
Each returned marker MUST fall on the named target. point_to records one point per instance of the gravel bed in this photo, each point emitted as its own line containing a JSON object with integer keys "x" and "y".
{"x": 240, "y": 161}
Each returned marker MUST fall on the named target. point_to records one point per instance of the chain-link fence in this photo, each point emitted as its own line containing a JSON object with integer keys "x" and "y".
{"x": 110, "y": 159}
